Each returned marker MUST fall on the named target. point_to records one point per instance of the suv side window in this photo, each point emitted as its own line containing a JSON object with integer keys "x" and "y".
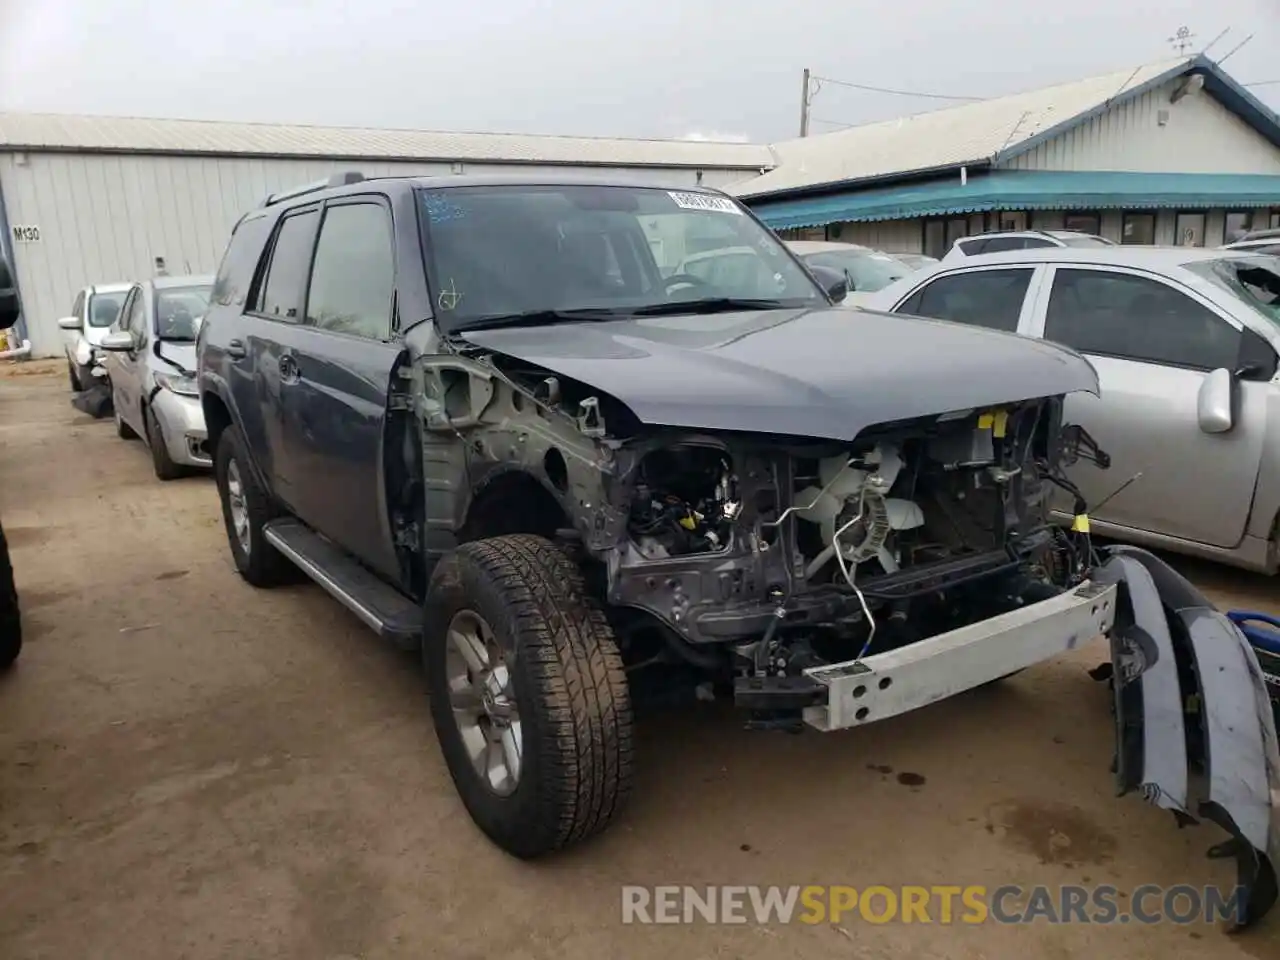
{"x": 280, "y": 286}
{"x": 1137, "y": 318}
{"x": 1001, "y": 244}
{"x": 983, "y": 298}
{"x": 971, "y": 248}
{"x": 353, "y": 275}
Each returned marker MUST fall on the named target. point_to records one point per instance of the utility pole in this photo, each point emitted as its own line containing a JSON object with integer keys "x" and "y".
{"x": 804, "y": 105}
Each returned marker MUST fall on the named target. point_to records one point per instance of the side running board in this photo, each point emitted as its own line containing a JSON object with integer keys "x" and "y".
{"x": 379, "y": 606}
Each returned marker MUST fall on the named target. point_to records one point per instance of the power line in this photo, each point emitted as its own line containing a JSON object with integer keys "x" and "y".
{"x": 897, "y": 93}
{"x": 1262, "y": 83}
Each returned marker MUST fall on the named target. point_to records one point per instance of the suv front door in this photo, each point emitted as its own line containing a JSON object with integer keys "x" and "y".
{"x": 1153, "y": 342}
{"x": 337, "y": 377}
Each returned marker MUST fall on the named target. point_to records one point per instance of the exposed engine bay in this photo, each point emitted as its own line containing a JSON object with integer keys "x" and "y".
{"x": 796, "y": 553}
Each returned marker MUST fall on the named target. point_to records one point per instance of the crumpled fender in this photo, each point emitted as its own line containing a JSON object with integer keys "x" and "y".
{"x": 1195, "y": 729}
{"x": 83, "y": 351}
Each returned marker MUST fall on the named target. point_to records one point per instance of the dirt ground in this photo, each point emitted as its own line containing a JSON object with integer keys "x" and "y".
{"x": 192, "y": 768}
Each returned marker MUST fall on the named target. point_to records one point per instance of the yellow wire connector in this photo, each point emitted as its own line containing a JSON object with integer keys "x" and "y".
{"x": 1081, "y": 523}
{"x": 997, "y": 421}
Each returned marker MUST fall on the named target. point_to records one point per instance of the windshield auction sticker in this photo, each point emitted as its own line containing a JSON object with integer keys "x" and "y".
{"x": 704, "y": 201}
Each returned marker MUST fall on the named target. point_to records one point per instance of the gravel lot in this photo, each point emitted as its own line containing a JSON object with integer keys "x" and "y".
{"x": 192, "y": 768}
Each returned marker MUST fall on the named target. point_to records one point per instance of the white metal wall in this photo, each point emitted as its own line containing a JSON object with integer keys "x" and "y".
{"x": 103, "y": 218}
{"x": 1199, "y": 135}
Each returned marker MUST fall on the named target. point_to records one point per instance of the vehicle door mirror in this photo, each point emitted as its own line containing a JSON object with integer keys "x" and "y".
{"x": 118, "y": 341}
{"x": 69, "y": 323}
{"x": 9, "y": 305}
{"x": 834, "y": 282}
{"x": 1216, "y": 401}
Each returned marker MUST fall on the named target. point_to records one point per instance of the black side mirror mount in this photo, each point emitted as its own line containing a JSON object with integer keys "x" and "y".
{"x": 834, "y": 282}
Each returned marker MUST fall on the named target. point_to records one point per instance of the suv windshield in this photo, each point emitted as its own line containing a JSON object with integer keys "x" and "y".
{"x": 504, "y": 251}
{"x": 1253, "y": 279}
{"x": 105, "y": 307}
{"x": 866, "y": 271}
{"x": 179, "y": 311}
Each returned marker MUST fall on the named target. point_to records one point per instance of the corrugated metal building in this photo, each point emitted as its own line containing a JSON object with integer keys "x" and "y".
{"x": 96, "y": 199}
{"x": 1165, "y": 153}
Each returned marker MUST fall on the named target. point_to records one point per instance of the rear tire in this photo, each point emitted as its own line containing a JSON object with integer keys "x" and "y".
{"x": 10, "y": 616}
{"x": 164, "y": 466}
{"x": 562, "y": 681}
{"x": 246, "y": 509}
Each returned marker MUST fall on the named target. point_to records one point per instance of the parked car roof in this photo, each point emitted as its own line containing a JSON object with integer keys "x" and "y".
{"x": 1132, "y": 255}
{"x": 168, "y": 282}
{"x": 801, "y": 247}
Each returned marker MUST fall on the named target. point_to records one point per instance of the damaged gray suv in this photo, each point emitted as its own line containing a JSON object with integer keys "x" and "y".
{"x": 492, "y": 419}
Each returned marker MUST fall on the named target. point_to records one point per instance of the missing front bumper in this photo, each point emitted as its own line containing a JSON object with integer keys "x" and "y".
{"x": 895, "y": 682}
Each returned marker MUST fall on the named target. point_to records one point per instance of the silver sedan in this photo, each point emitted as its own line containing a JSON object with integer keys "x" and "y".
{"x": 151, "y": 359}
{"x": 1186, "y": 343}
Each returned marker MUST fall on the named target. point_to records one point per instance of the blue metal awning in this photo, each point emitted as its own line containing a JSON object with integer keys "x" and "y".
{"x": 1029, "y": 190}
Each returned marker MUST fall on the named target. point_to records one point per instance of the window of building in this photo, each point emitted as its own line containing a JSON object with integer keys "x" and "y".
{"x": 1138, "y": 228}
{"x": 983, "y": 298}
{"x": 353, "y": 277}
{"x": 281, "y": 288}
{"x": 1137, "y": 318}
{"x": 1012, "y": 220}
{"x": 1083, "y": 223}
{"x": 935, "y": 239}
{"x": 1239, "y": 222}
{"x": 1189, "y": 230}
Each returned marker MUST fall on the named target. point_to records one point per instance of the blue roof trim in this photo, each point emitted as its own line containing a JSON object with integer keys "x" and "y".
{"x": 1029, "y": 190}
{"x": 1217, "y": 82}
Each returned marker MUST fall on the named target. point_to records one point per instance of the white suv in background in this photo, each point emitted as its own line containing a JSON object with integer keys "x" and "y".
{"x": 91, "y": 317}
{"x": 1257, "y": 241}
{"x": 1001, "y": 242}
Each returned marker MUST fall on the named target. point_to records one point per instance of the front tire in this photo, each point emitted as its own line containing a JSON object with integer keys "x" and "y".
{"x": 246, "y": 509}
{"x": 10, "y": 616}
{"x": 528, "y": 694}
{"x": 164, "y": 466}
{"x": 123, "y": 430}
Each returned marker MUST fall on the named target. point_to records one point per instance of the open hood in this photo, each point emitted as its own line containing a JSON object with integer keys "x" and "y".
{"x": 828, "y": 373}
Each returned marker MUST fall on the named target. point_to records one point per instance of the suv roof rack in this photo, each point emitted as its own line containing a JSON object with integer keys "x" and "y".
{"x": 336, "y": 180}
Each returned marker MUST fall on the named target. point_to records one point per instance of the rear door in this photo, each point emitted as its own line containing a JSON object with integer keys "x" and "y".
{"x": 1153, "y": 341}
{"x": 273, "y": 314}
{"x": 337, "y": 378}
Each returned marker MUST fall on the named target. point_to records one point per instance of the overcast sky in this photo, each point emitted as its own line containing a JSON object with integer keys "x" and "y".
{"x": 645, "y": 68}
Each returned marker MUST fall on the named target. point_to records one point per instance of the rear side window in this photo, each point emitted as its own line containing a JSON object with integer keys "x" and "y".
{"x": 1001, "y": 244}
{"x": 280, "y": 290}
{"x": 353, "y": 277}
{"x": 235, "y": 273}
{"x": 983, "y": 298}
{"x": 971, "y": 248}
{"x": 1137, "y": 318}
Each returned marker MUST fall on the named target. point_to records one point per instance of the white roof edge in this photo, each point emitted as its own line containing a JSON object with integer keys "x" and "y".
{"x": 72, "y": 132}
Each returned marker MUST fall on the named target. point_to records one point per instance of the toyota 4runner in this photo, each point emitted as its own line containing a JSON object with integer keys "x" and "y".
{"x": 492, "y": 419}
